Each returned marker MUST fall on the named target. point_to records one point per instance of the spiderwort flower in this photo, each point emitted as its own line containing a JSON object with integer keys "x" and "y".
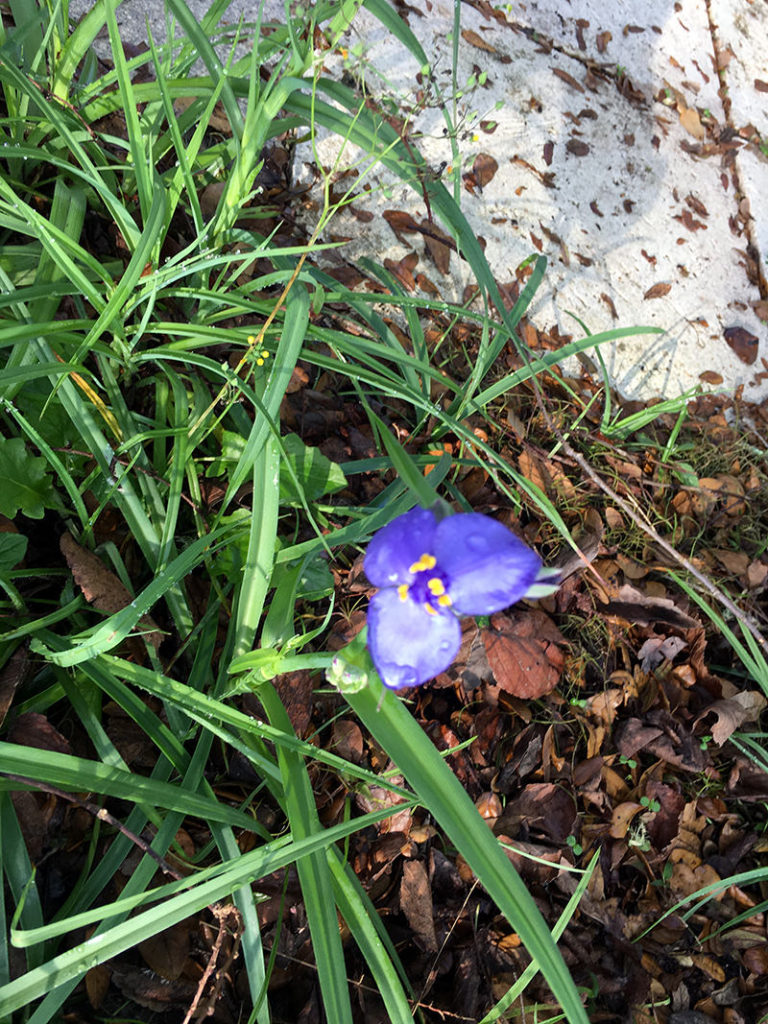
{"x": 429, "y": 573}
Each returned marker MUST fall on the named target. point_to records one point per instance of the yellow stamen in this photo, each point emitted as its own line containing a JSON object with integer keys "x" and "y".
{"x": 428, "y": 608}
{"x": 436, "y": 586}
{"x": 444, "y": 601}
{"x": 424, "y": 563}
{"x": 402, "y": 591}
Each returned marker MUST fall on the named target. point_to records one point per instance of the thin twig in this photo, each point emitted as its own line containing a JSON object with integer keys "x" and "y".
{"x": 103, "y": 815}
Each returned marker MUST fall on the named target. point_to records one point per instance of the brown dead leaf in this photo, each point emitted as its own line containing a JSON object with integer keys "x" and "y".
{"x": 416, "y": 904}
{"x": 402, "y": 223}
{"x": 743, "y": 343}
{"x": 484, "y": 168}
{"x": 439, "y": 246}
{"x": 403, "y": 270}
{"x": 544, "y": 807}
{"x": 476, "y": 40}
{"x": 97, "y": 984}
{"x": 565, "y": 77}
{"x": 149, "y": 990}
{"x": 602, "y": 39}
{"x": 348, "y": 740}
{"x": 166, "y": 952}
{"x": 577, "y": 147}
{"x": 101, "y": 587}
{"x": 760, "y": 85}
{"x": 295, "y": 691}
{"x": 731, "y": 714}
{"x": 622, "y": 817}
{"x": 11, "y": 675}
{"x": 523, "y": 652}
{"x": 634, "y": 606}
{"x": 690, "y": 120}
{"x": 658, "y": 290}
{"x": 32, "y": 729}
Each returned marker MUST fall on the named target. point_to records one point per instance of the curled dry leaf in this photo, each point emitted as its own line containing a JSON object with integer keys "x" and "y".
{"x": 484, "y": 168}
{"x": 101, "y": 587}
{"x": 732, "y": 713}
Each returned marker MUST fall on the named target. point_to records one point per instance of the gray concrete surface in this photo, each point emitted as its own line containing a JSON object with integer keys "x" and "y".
{"x": 631, "y": 147}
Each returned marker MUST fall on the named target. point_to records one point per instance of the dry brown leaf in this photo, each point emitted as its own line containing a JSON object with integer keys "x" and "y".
{"x": 166, "y": 952}
{"x": 476, "y": 40}
{"x": 416, "y": 904}
{"x": 658, "y": 290}
{"x": 401, "y": 223}
{"x": 565, "y": 77}
{"x": 438, "y": 245}
{"x": 31, "y": 729}
{"x": 690, "y": 120}
{"x": 97, "y": 984}
{"x": 622, "y": 817}
{"x": 101, "y": 587}
{"x": 577, "y": 147}
{"x": 523, "y": 653}
{"x": 484, "y": 168}
{"x": 743, "y": 343}
{"x": 732, "y": 713}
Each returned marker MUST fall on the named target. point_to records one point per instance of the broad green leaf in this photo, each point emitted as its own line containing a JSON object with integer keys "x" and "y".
{"x": 315, "y": 473}
{"x": 26, "y": 486}
{"x": 13, "y": 547}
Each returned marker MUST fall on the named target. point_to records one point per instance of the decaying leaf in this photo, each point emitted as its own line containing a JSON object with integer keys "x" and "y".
{"x": 732, "y": 713}
{"x": 416, "y": 903}
{"x": 101, "y": 587}
{"x": 524, "y": 653}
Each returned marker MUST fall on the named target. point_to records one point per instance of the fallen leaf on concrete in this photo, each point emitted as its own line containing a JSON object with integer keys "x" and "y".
{"x": 577, "y": 147}
{"x": 743, "y": 343}
{"x": 760, "y": 85}
{"x": 401, "y": 223}
{"x": 476, "y": 40}
{"x": 658, "y": 290}
{"x": 690, "y": 120}
{"x": 602, "y": 39}
{"x": 484, "y": 168}
{"x": 568, "y": 78}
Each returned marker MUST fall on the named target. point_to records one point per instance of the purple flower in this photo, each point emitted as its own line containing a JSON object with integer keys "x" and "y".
{"x": 429, "y": 573}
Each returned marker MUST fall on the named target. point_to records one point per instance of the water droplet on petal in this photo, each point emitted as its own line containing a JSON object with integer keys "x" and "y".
{"x": 445, "y": 646}
{"x": 477, "y": 542}
{"x": 397, "y": 677}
